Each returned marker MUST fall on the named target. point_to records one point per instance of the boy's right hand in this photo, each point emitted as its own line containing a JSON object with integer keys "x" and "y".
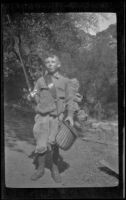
{"x": 29, "y": 97}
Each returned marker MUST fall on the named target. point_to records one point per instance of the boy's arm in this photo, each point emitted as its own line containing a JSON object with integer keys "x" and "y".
{"x": 71, "y": 105}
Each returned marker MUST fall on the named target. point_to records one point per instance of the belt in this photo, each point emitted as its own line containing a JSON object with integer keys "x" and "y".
{"x": 45, "y": 114}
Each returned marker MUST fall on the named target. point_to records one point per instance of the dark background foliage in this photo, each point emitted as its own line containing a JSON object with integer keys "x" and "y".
{"x": 91, "y": 59}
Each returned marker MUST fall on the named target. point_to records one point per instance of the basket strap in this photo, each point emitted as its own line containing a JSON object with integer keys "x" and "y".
{"x": 52, "y": 89}
{"x": 73, "y": 130}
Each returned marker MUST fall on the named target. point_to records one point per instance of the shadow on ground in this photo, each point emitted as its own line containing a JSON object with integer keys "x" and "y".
{"x": 62, "y": 165}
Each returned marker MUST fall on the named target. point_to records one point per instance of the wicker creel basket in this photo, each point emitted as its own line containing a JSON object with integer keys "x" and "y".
{"x": 66, "y": 136}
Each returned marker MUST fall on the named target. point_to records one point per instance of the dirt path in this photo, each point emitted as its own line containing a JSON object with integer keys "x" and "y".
{"x": 80, "y": 166}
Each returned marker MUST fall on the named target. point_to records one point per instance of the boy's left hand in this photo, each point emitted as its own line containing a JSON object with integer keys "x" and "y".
{"x": 70, "y": 119}
{"x": 29, "y": 97}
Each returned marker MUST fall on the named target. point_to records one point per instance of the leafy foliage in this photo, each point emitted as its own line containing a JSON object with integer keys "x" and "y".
{"x": 91, "y": 59}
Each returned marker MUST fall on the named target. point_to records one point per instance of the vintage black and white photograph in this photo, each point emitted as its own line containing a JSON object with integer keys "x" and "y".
{"x": 60, "y": 99}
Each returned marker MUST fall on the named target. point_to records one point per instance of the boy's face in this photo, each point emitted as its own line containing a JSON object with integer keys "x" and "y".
{"x": 52, "y": 64}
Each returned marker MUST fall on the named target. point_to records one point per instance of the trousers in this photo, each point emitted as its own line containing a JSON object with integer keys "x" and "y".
{"x": 45, "y": 130}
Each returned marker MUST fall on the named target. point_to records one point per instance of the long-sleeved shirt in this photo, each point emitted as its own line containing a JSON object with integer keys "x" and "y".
{"x": 46, "y": 103}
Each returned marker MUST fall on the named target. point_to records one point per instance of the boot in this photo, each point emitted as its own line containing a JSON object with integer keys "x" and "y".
{"x": 41, "y": 165}
{"x": 54, "y": 165}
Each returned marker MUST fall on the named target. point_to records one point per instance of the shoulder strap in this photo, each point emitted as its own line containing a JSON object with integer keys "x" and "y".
{"x": 52, "y": 89}
{"x": 50, "y": 85}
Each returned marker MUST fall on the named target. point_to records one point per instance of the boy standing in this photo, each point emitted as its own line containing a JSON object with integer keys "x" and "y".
{"x": 49, "y": 109}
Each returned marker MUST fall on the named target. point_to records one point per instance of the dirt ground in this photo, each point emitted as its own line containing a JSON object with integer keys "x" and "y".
{"x": 80, "y": 166}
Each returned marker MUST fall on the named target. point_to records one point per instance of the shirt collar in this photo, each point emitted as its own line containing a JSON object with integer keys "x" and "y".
{"x": 56, "y": 75}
